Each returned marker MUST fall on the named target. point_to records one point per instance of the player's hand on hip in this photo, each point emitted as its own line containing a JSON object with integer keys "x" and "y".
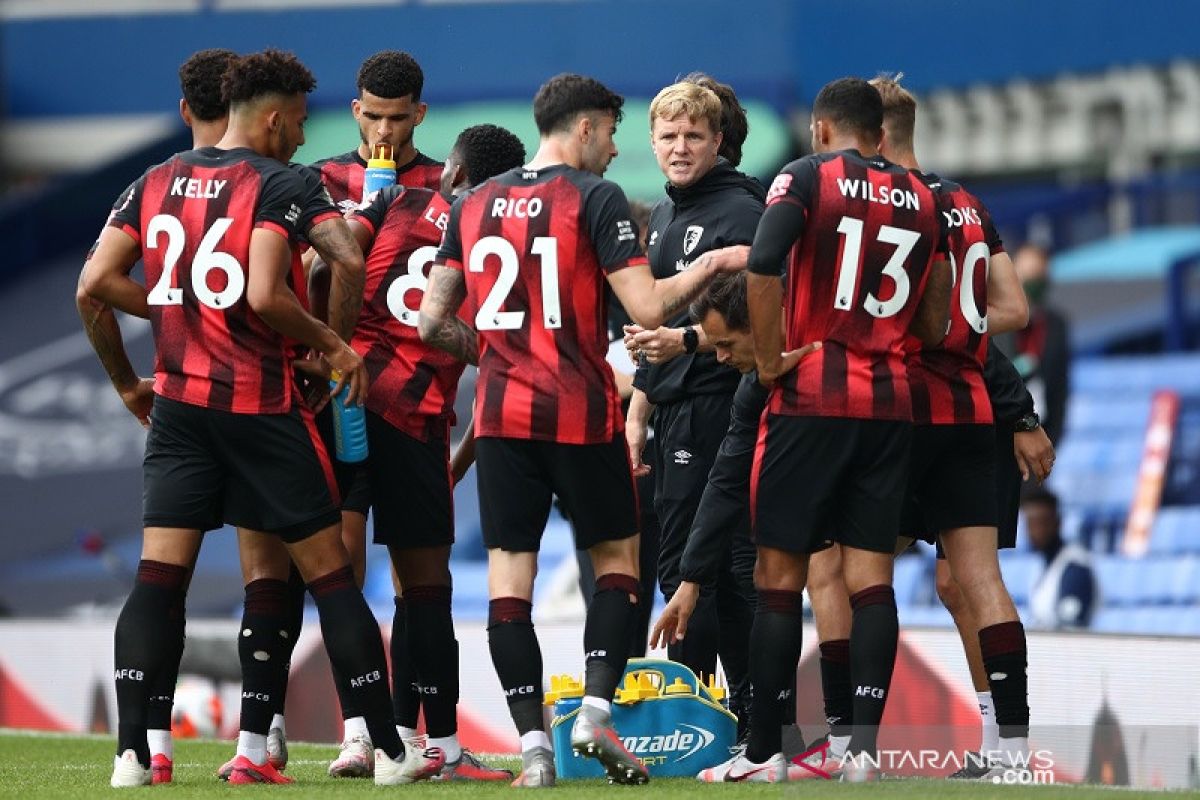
{"x": 661, "y": 344}
{"x": 139, "y": 399}
{"x": 635, "y": 437}
{"x": 787, "y": 362}
{"x": 1034, "y": 452}
{"x": 672, "y": 626}
{"x": 353, "y": 374}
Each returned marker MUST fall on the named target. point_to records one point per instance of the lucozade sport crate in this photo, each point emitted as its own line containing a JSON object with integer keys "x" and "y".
{"x": 667, "y": 717}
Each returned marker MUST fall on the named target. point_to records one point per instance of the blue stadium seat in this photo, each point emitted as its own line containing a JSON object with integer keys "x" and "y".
{"x": 1020, "y": 570}
{"x": 1120, "y": 579}
{"x": 1176, "y": 530}
{"x": 925, "y": 616}
{"x": 470, "y": 590}
{"x": 909, "y": 571}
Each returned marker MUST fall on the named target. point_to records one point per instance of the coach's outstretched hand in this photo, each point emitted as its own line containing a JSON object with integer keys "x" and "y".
{"x": 672, "y": 625}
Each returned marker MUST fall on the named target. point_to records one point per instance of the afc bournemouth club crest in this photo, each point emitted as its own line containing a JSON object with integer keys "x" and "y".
{"x": 691, "y": 237}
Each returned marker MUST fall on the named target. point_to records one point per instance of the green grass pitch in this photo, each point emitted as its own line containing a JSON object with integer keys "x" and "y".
{"x": 34, "y": 766}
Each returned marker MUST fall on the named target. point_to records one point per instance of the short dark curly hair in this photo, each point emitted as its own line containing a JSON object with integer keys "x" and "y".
{"x": 734, "y": 125}
{"x": 726, "y": 295}
{"x": 391, "y": 74}
{"x": 269, "y": 72}
{"x": 487, "y": 151}
{"x": 851, "y": 104}
{"x": 200, "y": 81}
{"x": 564, "y": 97}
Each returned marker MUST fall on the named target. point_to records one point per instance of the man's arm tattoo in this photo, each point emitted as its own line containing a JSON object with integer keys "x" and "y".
{"x": 450, "y": 333}
{"x": 336, "y": 245}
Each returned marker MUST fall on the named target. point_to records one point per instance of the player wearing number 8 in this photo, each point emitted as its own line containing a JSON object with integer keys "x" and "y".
{"x": 861, "y": 239}
{"x": 410, "y": 408}
{"x": 530, "y": 250}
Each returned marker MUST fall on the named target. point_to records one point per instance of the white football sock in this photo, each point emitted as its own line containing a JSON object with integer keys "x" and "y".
{"x": 449, "y": 745}
{"x": 160, "y": 743}
{"x": 253, "y": 746}
{"x": 987, "y": 714}
{"x": 535, "y": 739}
{"x": 355, "y": 726}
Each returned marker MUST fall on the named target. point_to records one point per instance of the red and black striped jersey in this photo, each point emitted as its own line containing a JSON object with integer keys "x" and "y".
{"x": 193, "y": 216}
{"x": 947, "y": 379}
{"x": 534, "y": 247}
{"x": 869, "y": 232}
{"x": 413, "y": 385}
{"x": 343, "y": 176}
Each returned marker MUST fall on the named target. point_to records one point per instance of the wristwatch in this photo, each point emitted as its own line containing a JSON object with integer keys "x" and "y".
{"x": 691, "y": 340}
{"x": 1027, "y": 423}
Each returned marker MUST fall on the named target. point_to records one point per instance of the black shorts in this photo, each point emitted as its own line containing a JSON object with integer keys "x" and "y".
{"x": 519, "y": 477}
{"x": 267, "y": 472}
{"x": 411, "y": 487}
{"x": 352, "y": 481}
{"x": 1008, "y": 487}
{"x": 952, "y": 480}
{"x": 822, "y": 479}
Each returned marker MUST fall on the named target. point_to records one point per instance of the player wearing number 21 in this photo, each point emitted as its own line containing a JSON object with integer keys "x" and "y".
{"x": 863, "y": 244}
{"x": 217, "y": 230}
{"x": 530, "y": 251}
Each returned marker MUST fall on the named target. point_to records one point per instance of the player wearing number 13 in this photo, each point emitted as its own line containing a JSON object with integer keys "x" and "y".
{"x": 531, "y": 249}
{"x": 863, "y": 243}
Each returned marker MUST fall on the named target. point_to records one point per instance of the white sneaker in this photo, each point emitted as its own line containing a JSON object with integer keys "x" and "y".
{"x": 277, "y": 752}
{"x": 537, "y": 769}
{"x": 357, "y": 759}
{"x": 417, "y": 765}
{"x": 593, "y": 736}
{"x": 817, "y": 762}
{"x": 128, "y": 771}
{"x": 859, "y": 770}
{"x": 740, "y": 769}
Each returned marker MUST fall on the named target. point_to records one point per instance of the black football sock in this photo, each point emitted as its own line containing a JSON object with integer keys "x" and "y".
{"x": 356, "y": 649}
{"x": 775, "y": 641}
{"x": 433, "y": 651}
{"x": 607, "y": 633}
{"x": 1005, "y": 660}
{"x": 406, "y": 700}
{"x": 873, "y": 639}
{"x": 294, "y": 624}
{"x": 835, "y": 685}
{"x": 151, "y": 618}
{"x": 263, "y": 652}
{"x": 518, "y": 660}
{"x": 162, "y": 694}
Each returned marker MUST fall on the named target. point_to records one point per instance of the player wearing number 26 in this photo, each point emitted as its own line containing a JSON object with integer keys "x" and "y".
{"x": 217, "y": 228}
{"x": 529, "y": 251}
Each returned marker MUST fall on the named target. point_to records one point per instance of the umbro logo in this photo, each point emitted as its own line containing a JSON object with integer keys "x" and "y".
{"x": 682, "y": 456}
{"x": 348, "y": 205}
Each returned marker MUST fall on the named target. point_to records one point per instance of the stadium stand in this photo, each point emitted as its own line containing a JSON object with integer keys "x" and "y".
{"x": 1095, "y": 477}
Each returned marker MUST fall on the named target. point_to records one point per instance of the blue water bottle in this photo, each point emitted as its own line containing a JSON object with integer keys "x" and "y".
{"x": 349, "y": 426}
{"x": 381, "y": 171}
